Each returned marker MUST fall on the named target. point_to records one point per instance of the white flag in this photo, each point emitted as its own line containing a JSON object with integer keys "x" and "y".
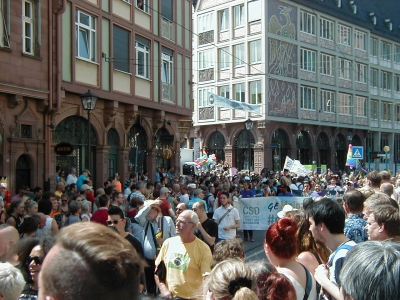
{"x": 298, "y": 168}
{"x": 288, "y": 163}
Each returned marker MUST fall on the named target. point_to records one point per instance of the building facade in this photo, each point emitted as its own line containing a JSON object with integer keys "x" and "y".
{"x": 326, "y": 74}
{"x": 135, "y": 56}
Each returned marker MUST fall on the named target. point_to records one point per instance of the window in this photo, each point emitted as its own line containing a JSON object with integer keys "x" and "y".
{"x": 255, "y": 92}
{"x": 344, "y": 68}
{"x": 397, "y": 83}
{"x": 167, "y": 57}
{"x": 361, "y": 73}
{"x": 204, "y": 99}
{"x": 224, "y": 58}
{"x": 326, "y": 29}
{"x": 326, "y": 64}
{"x": 4, "y": 23}
{"x": 85, "y": 26}
{"x": 142, "y": 48}
{"x": 205, "y": 22}
{"x": 121, "y": 49}
{"x": 141, "y": 4}
{"x": 360, "y": 40}
{"x": 361, "y": 106}
{"x": 239, "y": 55}
{"x": 344, "y": 104}
{"x": 328, "y": 101}
{"x": 307, "y": 22}
{"x": 374, "y": 78}
{"x": 307, "y": 58}
{"x": 398, "y": 114}
{"x": 224, "y": 91}
{"x": 240, "y": 93}
{"x": 206, "y": 59}
{"x": 373, "y": 46}
{"x": 386, "y": 81}
{"x": 344, "y": 35}
{"x": 239, "y": 15}
{"x": 167, "y": 9}
{"x": 254, "y": 11}
{"x": 224, "y": 20}
{"x": 374, "y": 109}
{"x": 386, "y": 111}
{"x": 385, "y": 55}
{"x": 255, "y": 51}
{"x": 396, "y": 56}
{"x": 307, "y": 97}
{"x": 27, "y": 27}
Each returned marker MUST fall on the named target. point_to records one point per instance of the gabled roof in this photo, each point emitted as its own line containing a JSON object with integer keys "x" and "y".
{"x": 382, "y": 9}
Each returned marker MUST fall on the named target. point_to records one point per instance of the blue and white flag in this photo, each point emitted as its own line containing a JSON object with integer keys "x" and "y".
{"x": 220, "y": 101}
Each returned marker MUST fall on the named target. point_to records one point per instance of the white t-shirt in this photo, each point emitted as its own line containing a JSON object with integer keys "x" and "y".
{"x": 337, "y": 262}
{"x": 300, "y": 291}
{"x": 228, "y": 220}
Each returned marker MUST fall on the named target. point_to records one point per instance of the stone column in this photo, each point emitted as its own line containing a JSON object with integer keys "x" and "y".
{"x": 101, "y": 165}
{"x": 151, "y": 163}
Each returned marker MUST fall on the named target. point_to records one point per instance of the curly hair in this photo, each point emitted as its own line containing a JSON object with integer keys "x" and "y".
{"x": 227, "y": 249}
{"x": 281, "y": 238}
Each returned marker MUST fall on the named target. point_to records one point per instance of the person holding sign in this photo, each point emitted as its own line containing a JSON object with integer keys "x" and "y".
{"x": 247, "y": 193}
{"x": 227, "y": 218}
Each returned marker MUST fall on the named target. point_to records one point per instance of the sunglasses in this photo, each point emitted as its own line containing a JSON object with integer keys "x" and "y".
{"x": 115, "y": 222}
{"x": 36, "y": 259}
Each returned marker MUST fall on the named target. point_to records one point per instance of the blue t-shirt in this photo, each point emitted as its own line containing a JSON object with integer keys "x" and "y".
{"x": 247, "y": 194}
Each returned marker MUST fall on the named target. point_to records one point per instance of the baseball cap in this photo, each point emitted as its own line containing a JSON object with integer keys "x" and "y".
{"x": 198, "y": 191}
{"x": 85, "y": 187}
{"x": 154, "y": 204}
{"x": 192, "y": 185}
{"x": 285, "y": 209}
{"x": 86, "y": 170}
{"x": 164, "y": 190}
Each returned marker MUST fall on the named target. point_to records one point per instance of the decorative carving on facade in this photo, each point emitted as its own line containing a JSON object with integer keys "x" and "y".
{"x": 130, "y": 118}
{"x": 42, "y": 105}
{"x": 282, "y": 22}
{"x": 206, "y": 37}
{"x": 282, "y": 58}
{"x": 206, "y": 75}
{"x": 14, "y": 100}
{"x": 110, "y": 111}
{"x": 27, "y": 147}
{"x": 282, "y": 99}
{"x": 206, "y": 113}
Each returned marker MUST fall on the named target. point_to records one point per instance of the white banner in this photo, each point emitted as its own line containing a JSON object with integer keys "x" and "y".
{"x": 220, "y": 101}
{"x": 298, "y": 168}
{"x": 288, "y": 163}
{"x": 261, "y": 212}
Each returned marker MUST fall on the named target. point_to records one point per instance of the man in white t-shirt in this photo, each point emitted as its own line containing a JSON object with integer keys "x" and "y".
{"x": 227, "y": 218}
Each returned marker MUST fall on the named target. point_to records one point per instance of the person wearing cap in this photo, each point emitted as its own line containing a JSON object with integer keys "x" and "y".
{"x": 146, "y": 224}
{"x": 23, "y": 191}
{"x": 191, "y": 187}
{"x": 198, "y": 196}
{"x": 81, "y": 179}
{"x": 85, "y": 190}
{"x": 286, "y": 208}
{"x": 166, "y": 207}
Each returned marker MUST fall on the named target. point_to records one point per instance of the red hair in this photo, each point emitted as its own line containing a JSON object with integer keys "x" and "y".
{"x": 281, "y": 238}
{"x": 276, "y": 287}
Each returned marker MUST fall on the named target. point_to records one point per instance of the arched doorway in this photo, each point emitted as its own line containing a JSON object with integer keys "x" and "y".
{"x": 244, "y": 144}
{"x": 23, "y": 172}
{"x": 303, "y": 144}
{"x": 113, "y": 141}
{"x": 137, "y": 141}
{"x": 74, "y": 131}
{"x": 164, "y": 146}
{"x": 323, "y": 148}
{"x": 280, "y": 141}
{"x": 216, "y": 145}
{"x": 341, "y": 153}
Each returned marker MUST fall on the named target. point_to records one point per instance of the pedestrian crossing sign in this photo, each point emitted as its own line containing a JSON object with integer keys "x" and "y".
{"x": 357, "y": 152}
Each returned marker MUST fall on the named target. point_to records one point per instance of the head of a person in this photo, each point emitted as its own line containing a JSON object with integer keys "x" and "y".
{"x": 23, "y": 190}
{"x": 164, "y": 193}
{"x": 60, "y": 186}
{"x": 104, "y": 200}
{"x": 79, "y": 252}
{"x": 373, "y": 201}
{"x": 280, "y": 239}
{"x": 186, "y": 223}
{"x": 116, "y": 219}
{"x": 154, "y": 211}
{"x": 382, "y": 268}
{"x": 328, "y": 213}
{"x": 86, "y": 207}
{"x": 383, "y": 222}
{"x": 136, "y": 202}
{"x": 387, "y": 188}
{"x": 230, "y": 279}
{"x": 199, "y": 208}
{"x": 74, "y": 207}
{"x": 45, "y": 206}
{"x": 180, "y": 208}
{"x": 31, "y": 207}
{"x": 141, "y": 186}
{"x": 270, "y": 283}
{"x": 228, "y": 249}
{"x": 225, "y": 198}
{"x": 385, "y": 175}
{"x": 318, "y": 187}
{"x": 8, "y": 237}
{"x": 11, "y": 282}
{"x": 37, "y": 191}
{"x": 118, "y": 197}
{"x": 30, "y": 225}
{"x": 16, "y": 208}
{"x": 42, "y": 219}
{"x": 199, "y": 193}
{"x": 353, "y": 201}
{"x": 374, "y": 179}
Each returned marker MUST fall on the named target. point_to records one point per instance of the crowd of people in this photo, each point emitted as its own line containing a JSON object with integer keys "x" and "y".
{"x": 179, "y": 238}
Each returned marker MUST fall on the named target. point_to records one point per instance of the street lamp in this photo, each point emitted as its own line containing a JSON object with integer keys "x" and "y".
{"x": 89, "y": 103}
{"x": 349, "y": 136}
{"x": 386, "y": 149}
{"x": 249, "y": 126}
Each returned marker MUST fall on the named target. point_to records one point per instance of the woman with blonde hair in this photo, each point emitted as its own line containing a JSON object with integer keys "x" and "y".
{"x": 230, "y": 279}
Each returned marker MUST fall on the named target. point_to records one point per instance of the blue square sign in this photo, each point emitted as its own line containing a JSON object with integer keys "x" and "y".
{"x": 357, "y": 152}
